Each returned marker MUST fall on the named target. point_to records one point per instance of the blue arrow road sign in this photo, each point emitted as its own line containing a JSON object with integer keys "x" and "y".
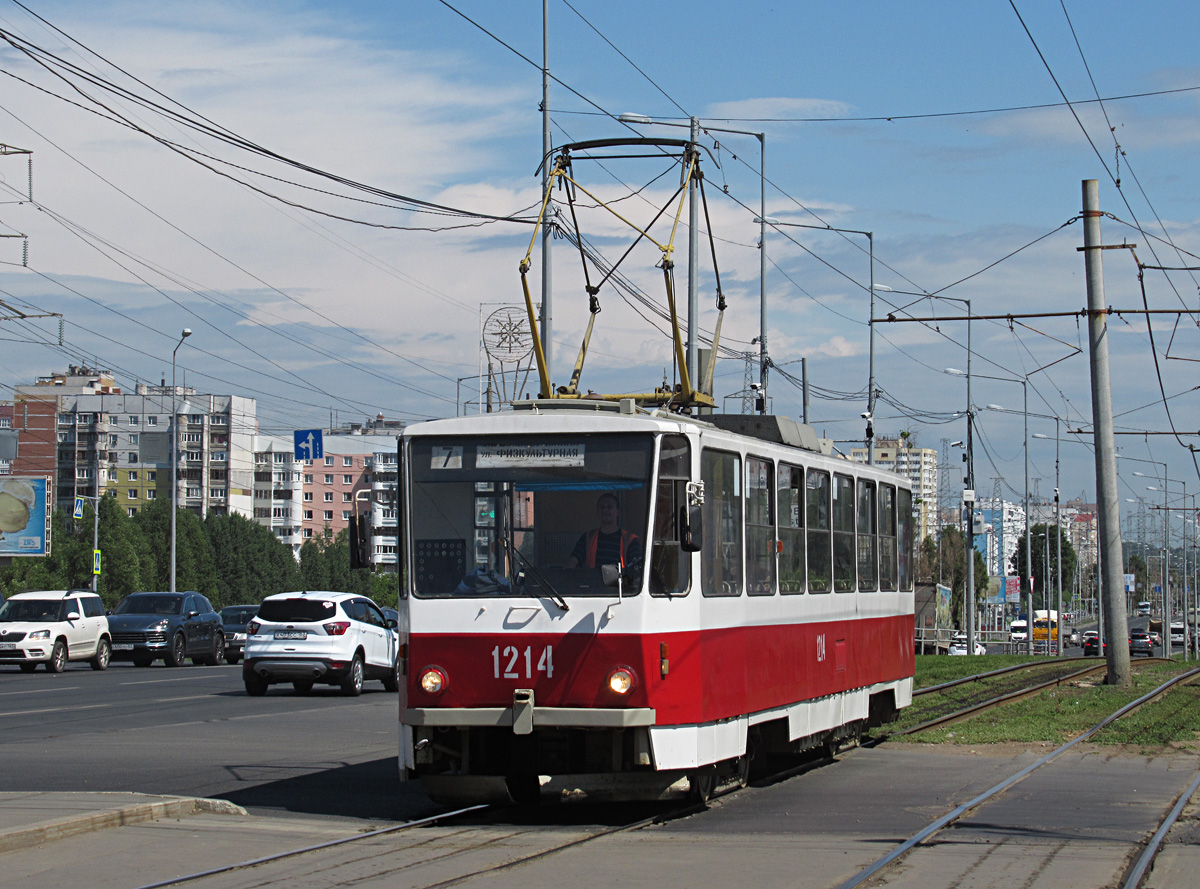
{"x": 309, "y": 445}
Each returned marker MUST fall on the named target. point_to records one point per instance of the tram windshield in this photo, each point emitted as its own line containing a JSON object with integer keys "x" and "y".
{"x": 522, "y": 516}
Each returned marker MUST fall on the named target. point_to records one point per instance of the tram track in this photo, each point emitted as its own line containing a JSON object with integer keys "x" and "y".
{"x": 489, "y": 836}
{"x": 877, "y": 871}
{"x": 477, "y": 842}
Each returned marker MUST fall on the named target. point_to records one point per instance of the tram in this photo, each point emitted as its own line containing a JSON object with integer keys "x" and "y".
{"x": 768, "y": 608}
{"x": 625, "y": 597}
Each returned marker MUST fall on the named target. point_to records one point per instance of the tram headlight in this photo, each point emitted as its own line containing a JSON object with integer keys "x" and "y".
{"x": 433, "y": 680}
{"x": 622, "y": 680}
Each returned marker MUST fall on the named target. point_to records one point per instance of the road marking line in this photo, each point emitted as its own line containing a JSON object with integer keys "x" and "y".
{"x": 57, "y": 710}
{"x": 38, "y": 691}
{"x": 152, "y": 681}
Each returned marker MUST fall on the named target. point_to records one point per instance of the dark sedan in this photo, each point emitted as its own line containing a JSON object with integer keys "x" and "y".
{"x": 172, "y": 626}
{"x": 1140, "y": 643}
{"x": 1091, "y": 645}
{"x": 234, "y": 619}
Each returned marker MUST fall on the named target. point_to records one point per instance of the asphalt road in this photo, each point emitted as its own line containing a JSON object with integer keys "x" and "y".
{"x": 193, "y": 731}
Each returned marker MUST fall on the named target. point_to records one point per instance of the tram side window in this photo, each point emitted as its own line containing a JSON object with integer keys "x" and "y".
{"x": 843, "y": 534}
{"x": 721, "y": 553}
{"x": 820, "y": 543}
{"x": 904, "y": 525}
{"x": 670, "y": 566}
{"x": 760, "y": 527}
{"x": 868, "y": 571}
{"x": 791, "y": 529}
{"x": 887, "y": 537}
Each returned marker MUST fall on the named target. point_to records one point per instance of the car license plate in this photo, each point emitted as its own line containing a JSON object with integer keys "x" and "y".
{"x": 122, "y": 646}
{"x": 8, "y": 646}
{"x": 291, "y": 634}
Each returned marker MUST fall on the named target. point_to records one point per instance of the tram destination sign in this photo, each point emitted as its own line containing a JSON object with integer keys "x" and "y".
{"x": 510, "y": 455}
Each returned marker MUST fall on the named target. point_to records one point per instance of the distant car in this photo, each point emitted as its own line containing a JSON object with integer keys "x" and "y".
{"x": 171, "y": 626}
{"x": 317, "y": 636}
{"x": 1018, "y": 631}
{"x": 1176, "y": 633}
{"x": 53, "y": 628}
{"x": 1139, "y": 643}
{"x": 1075, "y": 638}
{"x": 234, "y": 619}
{"x": 1091, "y": 645}
{"x": 958, "y": 645}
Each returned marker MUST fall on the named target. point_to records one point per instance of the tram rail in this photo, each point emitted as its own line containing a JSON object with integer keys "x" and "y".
{"x": 466, "y": 850}
{"x": 1150, "y": 849}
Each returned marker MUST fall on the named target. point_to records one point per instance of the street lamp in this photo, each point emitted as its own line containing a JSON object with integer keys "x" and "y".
{"x": 1167, "y": 558}
{"x": 1028, "y": 544}
{"x": 693, "y": 225}
{"x": 175, "y": 452}
{"x": 1057, "y": 526}
{"x": 1166, "y": 577}
{"x": 869, "y": 416}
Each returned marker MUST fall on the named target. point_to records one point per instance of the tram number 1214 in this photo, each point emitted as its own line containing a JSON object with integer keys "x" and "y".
{"x": 512, "y": 659}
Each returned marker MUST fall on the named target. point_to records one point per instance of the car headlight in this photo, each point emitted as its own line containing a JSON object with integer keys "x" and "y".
{"x": 434, "y": 680}
{"x": 622, "y": 680}
{"x": 40, "y": 634}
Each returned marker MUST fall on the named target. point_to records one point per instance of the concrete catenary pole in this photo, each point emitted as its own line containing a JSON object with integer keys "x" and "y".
{"x": 1113, "y": 598}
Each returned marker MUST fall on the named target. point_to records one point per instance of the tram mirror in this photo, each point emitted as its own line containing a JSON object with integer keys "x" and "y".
{"x": 691, "y": 528}
{"x": 610, "y": 574}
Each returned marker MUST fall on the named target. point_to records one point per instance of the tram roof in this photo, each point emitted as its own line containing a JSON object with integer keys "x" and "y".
{"x": 552, "y": 414}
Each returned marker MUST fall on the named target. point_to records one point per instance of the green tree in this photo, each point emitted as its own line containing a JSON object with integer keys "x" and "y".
{"x": 52, "y": 572}
{"x": 954, "y": 571}
{"x": 248, "y": 561}
{"x": 1045, "y": 573}
{"x": 127, "y": 561}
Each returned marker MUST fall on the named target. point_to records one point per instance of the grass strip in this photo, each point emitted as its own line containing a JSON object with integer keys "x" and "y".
{"x": 1059, "y": 714}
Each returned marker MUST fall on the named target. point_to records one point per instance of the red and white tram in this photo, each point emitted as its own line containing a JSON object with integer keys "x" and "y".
{"x": 758, "y": 599}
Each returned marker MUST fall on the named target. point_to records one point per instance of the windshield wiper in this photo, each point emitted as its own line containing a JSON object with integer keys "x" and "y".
{"x": 538, "y": 576}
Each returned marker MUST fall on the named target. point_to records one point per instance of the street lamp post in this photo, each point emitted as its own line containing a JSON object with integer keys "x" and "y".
{"x": 1057, "y": 527}
{"x": 1167, "y": 560}
{"x": 1028, "y": 544}
{"x": 694, "y": 127}
{"x": 869, "y": 416}
{"x": 1166, "y": 547}
{"x": 175, "y": 452}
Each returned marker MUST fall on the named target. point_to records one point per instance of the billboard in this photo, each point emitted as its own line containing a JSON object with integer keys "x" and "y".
{"x": 24, "y": 518}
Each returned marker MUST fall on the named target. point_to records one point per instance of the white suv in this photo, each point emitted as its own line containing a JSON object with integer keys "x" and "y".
{"x": 317, "y": 636}
{"x": 52, "y": 628}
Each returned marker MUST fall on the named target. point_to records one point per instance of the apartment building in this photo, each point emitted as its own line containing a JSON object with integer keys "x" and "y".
{"x": 919, "y": 466}
{"x": 310, "y": 499}
{"x": 96, "y": 440}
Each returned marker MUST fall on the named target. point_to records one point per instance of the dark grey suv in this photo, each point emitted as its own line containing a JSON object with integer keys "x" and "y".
{"x": 172, "y": 626}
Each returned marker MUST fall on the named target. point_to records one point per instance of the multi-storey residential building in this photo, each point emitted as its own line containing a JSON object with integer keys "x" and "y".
{"x": 310, "y": 499}
{"x": 918, "y": 465}
{"x": 106, "y": 442}
{"x": 1003, "y": 531}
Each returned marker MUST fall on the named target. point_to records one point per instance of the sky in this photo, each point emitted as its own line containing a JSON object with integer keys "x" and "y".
{"x": 194, "y": 164}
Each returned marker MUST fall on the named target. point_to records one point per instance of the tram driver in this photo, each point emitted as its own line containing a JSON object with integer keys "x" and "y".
{"x": 609, "y": 544}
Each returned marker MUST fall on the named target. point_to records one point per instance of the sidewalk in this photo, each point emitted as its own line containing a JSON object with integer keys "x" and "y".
{"x": 32, "y": 819}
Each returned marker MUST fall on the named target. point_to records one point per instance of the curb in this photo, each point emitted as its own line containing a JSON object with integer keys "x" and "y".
{"x": 61, "y": 828}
